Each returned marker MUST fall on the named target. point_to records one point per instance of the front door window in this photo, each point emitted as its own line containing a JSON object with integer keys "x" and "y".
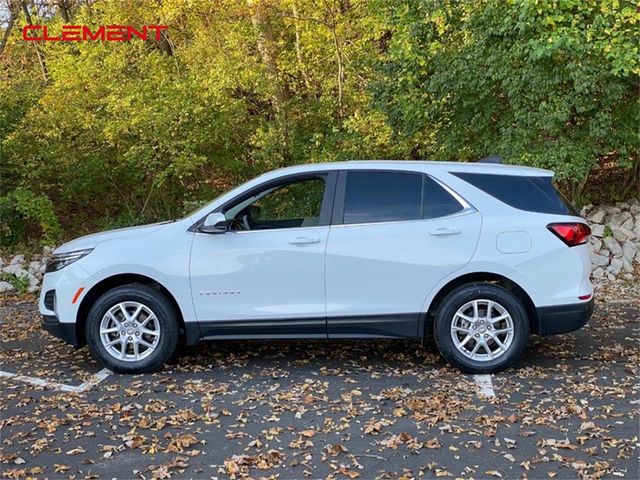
{"x": 292, "y": 205}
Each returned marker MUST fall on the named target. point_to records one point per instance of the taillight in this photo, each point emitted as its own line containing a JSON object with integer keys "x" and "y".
{"x": 571, "y": 233}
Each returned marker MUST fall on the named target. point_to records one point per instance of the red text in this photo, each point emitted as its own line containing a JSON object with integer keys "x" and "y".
{"x": 104, "y": 33}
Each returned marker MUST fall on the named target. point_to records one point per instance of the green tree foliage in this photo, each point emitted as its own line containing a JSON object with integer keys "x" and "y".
{"x": 120, "y": 133}
{"x": 127, "y": 132}
{"x": 22, "y": 213}
{"x": 549, "y": 83}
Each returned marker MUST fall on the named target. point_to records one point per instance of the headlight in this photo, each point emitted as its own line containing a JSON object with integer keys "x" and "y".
{"x": 61, "y": 260}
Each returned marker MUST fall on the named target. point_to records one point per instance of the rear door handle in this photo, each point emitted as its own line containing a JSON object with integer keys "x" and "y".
{"x": 304, "y": 241}
{"x": 440, "y": 232}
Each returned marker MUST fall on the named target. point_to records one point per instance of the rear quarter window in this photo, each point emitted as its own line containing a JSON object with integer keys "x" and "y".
{"x": 437, "y": 202}
{"x": 532, "y": 194}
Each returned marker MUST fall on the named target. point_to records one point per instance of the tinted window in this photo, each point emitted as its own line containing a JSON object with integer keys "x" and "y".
{"x": 437, "y": 201}
{"x": 382, "y": 197}
{"x": 533, "y": 194}
{"x": 390, "y": 196}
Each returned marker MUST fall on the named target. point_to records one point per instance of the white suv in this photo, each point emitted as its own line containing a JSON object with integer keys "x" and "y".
{"x": 476, "y": 255}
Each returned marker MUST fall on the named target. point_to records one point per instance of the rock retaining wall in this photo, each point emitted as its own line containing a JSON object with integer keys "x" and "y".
{"x": 615, "y": 240}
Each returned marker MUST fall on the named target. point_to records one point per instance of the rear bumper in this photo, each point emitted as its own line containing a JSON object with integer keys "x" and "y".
{"x": 563, "y": 318}
{"x": 65, "y": 331}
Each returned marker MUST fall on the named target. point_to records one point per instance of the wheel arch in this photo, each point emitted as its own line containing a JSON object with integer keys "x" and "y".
{"x": 426, "y": 324}
{"x": 114, "y": 281}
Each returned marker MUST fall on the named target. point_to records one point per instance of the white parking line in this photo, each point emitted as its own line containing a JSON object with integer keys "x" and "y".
{"x": 485, "y": 387}
{"x": 41, "y": 382}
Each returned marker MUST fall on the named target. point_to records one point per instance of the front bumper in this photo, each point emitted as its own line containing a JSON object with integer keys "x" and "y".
{"x": 65, "y": 331}
{"x": 56, "y": 302}
{"x": 562, "y": 318}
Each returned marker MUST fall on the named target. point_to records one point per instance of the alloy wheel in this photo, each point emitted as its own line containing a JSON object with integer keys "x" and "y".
{"x": 482, "y": 330}
{"x": 130, "y": 331}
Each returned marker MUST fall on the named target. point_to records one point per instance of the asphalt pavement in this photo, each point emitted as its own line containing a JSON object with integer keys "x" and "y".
{"x": 323, "y": 409}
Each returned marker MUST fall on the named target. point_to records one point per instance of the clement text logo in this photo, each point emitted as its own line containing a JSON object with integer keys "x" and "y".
{"x": 104, "y": 33}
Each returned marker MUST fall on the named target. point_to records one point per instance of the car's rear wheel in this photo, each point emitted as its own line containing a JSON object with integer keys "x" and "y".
{"x": 481, "y": 328}
{"x": 132, "y": 329}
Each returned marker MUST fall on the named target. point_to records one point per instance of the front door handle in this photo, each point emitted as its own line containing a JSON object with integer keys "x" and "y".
{"x": 304, "y": 241}
{"x": 439, "y": 232}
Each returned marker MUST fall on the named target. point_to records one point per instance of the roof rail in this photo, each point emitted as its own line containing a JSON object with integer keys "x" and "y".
{"x": 491, "y": 159}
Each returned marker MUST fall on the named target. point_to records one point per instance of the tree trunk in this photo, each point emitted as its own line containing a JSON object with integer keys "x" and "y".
{"x": 339, "y": 57}
{"x": 267, "y": 47}
{"x": 634, "y": 180}
{"x": 43, "y": 65}
{"x": 164, "y": 44}
{"x": 578, "y": 188}
{"x": 7, "y": 32}
{"x": 65, "y": 10}
{"x": 301, "y": 64}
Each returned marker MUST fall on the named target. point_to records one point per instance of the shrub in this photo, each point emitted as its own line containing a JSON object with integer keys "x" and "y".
{"x": 25, "y": 215}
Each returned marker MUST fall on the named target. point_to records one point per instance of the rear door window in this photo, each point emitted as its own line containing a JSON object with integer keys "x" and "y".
{"x": 533, "y": 194}
{"x": 394, "y": 196}
{"x": 382, "y": 197}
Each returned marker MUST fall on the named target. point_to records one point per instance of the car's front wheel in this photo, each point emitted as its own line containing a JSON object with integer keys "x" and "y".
{"x": 132, "y": 329}
{"x": 481, "y": 328}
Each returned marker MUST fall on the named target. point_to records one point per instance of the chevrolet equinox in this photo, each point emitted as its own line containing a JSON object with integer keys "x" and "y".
{"x": 476, "y": 256}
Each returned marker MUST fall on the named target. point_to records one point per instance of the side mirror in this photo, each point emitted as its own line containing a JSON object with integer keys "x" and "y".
{"x": 214, "y": 223}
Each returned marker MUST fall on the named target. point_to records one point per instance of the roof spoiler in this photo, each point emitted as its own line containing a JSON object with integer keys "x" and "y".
{"x": 491, "y": 159}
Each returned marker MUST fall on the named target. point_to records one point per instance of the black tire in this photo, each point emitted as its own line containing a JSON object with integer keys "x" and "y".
{"x": 164, "y": 312}
{"x": 458, "y": 298}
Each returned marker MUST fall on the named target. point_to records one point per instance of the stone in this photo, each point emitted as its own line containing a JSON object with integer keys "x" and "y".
{"x": 612, "y": 210}
{"x": 597, "y": 230}
{"x": 599, "y": 260}
{"x": 634, "y": 201}
{"x": 597, "y": 216}
{"x": 596, "y": 244}
{"x": 628, "y": 224}
{"x": 615, "y": 266}
{"x": 613, "y": 245}
{"x": 611, "y": 277}
{"x": 627, "y": 276}
{"x": 34, "y": 266}
{"x": 638, "y": 257}
{"x": 634, "y": 209}
{"x": 6, "y": 287}
{"x": 619, "y": 218}
{"x": 15, "y": 269}
{"x": 585, "y": 210}
{"x": 47, "y": 251}
{"x": 626, "y": 266}
{"x": 621, "y": 234}
{"x": 33, "y": 288}
{"x": 17, "y": 260}
{"x": 33, "y": 280}
{"x": 629, "y": 250}
{"x": 598, "y": 273}
{"x": 1, "y": 262}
